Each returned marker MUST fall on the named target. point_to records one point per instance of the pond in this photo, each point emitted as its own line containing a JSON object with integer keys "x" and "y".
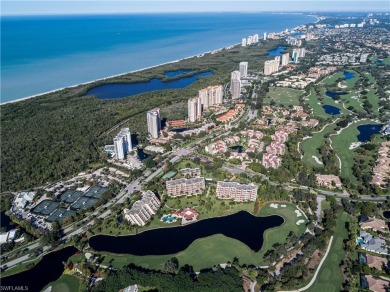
{"x": 348, "y": 75}
{"x": 178, "y": 72}
{"x": 366, "y": 131}
{"x": 141, "y": 154}
{"x": 118, "y": 90}
{"x": 242, "y": 226}
{"x": 276, "y": 52}
{"x": 331, "y": 110}
{"x": 236, "y": 148}
{"x": 386, "y": 214}
{"x": 181, "y": 130}
{"x": 49, "y": 269}
{"x": 6, "y": 222}
{"x": 333, "y": 94}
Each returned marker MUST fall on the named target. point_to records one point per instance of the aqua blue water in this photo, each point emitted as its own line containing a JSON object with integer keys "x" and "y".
{"x": 331, "y": 110}
{"x": 43, "y": 53}
{"x": 117, "y": 90}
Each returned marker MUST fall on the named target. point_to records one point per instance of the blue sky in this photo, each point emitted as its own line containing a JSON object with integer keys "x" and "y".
{"x": 33, "y": 7}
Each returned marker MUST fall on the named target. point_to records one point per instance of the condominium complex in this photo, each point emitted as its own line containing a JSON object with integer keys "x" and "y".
{"x": 298, "y": 53}
{"x": 190, "y": 172}
{"x": 243, "y": 69}
{"x": 271, "y": 160}
{"x": 285, "y": 59}
{"x": 154, "y": 122}
{"x": 143, "y": 209}
{"x": 265, "y": 36}
{"x": 211, "y": 95}
{"x": 271, "y": 66}
{"x": 122, "y": 143}
{"x": 237, "y": 192}
{"x": 185, "y": 187}
{"x": 243, "y": 42}
{"x": 235, "y": 84}
{"x": 207, "y": 97}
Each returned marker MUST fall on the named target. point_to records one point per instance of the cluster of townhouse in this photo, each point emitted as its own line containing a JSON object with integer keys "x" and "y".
{"x": 302, "y": 80}
{"x": 382, "y": 168}
{"x": 329, "y": 181}
{"x": 271, "y": 158}
{"x": 343, "y": 59}
{"x": 142, "y": 210}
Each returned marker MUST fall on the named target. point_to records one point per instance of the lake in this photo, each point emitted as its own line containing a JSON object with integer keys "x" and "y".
{"x": 386, "y": 214}
{"x": 348, "y": 75}
{"x": 333, "y": 94}
{"x": 118, "y": 90}
{"x": 242, "y": 226}
{"x": 331, "y": 110}
{"x": 236, "y": 148}
{"x": 366, "y": 131}
{"x": 6, "y": 222}
{"x": 276, "y": 52}
{"x": 49, "y": 269}
{"x": 177, "y": 72}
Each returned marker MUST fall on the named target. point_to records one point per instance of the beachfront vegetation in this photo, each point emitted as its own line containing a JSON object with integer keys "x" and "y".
{"x": 57, "y": 135}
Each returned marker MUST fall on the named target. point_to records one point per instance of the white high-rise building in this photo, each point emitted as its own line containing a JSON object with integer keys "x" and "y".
{"x": 276, "y": 63}
{"x": 269, "y": 67}
{"x": 154, "y": 122}
{"x": 265, "y": 36}
{"x": 210, "y": 96}
{"x": 249, "y": 40}
{"x": 256, "y": 38}
{"x": 193, "y": 109}
{"x": 243, "y": 69}
{"x": 243, "y": 42}
{"x": 295, "y": 55}
{"x": 235, "y": 84}
{"x": 301, "y": 52}
{"x": 285, "y": 59}
{"x": 122, "y": 143}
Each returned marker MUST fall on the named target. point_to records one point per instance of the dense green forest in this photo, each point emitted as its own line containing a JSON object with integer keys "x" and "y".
{"x": 46, "y": 138}
{"x": 185, "y": 280}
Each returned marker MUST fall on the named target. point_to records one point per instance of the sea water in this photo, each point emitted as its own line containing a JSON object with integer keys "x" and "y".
{"x": 43, "y": 53}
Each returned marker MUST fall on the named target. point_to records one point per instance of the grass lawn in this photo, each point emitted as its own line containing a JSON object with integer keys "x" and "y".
{"x": 387, "y": 61}
{"x": 66, "y": 283}
{"x": 341, "y": 145}
{"x": 330, "y": 278}
{"x": 283, "y": 96}
{"x": 309, "y": 146}
{"x": 208, "y": 251}
{"x": 330, "y": 80}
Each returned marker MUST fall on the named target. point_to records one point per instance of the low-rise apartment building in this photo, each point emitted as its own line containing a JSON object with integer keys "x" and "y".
{"x": 142, "y": 210}
{"x": 185, "y": 187}
{"x": 236, "y": 192}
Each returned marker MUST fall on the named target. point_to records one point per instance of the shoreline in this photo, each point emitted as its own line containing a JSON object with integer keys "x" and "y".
{"x": 131, "y": 72}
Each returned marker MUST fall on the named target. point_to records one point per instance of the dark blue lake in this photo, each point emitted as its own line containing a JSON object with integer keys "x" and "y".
{"x": 366, "y": 131}
{"x": 177, "y": 73}
{"x": 242, "y": 226}
{"x": 276, "y": 52}
{"x": 386, "y": 214}
{"x": 141, "y": 154}
{"x": 118, "y": 90}
{"x": 6, "y": 222}
{"x": 49, "y": 269}
{"x": 348, "y": 75}
{"x": 331, "y": 110}
{"x": 181, "y": 130}
{"x": 332, "y": 94}
{"x": 237, "y": 148}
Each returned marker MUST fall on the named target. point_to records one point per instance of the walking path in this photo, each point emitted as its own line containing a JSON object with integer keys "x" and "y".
{"x": 317, "y": 271}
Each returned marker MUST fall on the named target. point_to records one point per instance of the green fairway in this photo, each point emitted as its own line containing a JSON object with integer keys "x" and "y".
{"x": 341, "y": 144}
{"x": 330, "y": 278}
{"x": 283, "y": 96}
{"x": 309, "y": 146}
{"x": 66, "y": 283}
{"x": 216, "y": 249}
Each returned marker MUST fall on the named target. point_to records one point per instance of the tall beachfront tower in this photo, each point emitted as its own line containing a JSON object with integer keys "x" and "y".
{"x": 210, "y": 96}
{"x": 256, "y": 38}
{"x": 122, "y": 143}
{"x": 243, "y": 42}
{"x": 243, "y": 69}
{"x": 154, "y": 122}
{"x": 265, "y": 36}
{"x": 235, "y": 84}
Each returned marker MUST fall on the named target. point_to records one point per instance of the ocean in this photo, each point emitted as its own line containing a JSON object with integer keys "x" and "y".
{"x": 44, "y": 53}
